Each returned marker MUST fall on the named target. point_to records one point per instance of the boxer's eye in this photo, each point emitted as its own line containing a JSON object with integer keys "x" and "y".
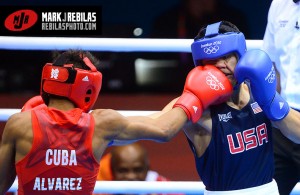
{"x": 227, "y": 57}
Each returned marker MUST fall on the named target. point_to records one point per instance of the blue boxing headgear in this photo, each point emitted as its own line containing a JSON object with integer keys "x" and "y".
{"x": 215, "y": 45}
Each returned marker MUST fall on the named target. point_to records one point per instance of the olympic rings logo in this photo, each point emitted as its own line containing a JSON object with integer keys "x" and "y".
{"x": 211, "y": 49}
{"x": 212, "y": 83}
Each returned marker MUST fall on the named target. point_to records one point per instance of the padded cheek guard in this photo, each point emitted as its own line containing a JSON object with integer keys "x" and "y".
{"x": 215, "y": 45}
{"x": 81, "y": 86}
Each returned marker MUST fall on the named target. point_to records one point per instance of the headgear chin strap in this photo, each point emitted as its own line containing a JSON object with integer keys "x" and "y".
{"x": 81, "y": 86}
{"x": 215, "y": 45}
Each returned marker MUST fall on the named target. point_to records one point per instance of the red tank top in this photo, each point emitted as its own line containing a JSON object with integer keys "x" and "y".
{"x": 61, "y": 159}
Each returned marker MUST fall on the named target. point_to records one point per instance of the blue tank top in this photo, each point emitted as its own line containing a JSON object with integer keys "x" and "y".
{"x": 240, "y": 153}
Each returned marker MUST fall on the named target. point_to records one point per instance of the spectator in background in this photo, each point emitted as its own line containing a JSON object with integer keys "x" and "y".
{"x": 281, "y": 42}
{"x": 128, "y": 163}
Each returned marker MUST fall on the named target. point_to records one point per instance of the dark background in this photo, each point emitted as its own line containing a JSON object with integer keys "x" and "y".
{"x": 20, "y": 70}
{"x": 141, "y": 13}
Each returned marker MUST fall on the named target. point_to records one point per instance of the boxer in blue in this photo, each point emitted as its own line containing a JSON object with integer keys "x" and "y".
{"x": 232, "y": 141}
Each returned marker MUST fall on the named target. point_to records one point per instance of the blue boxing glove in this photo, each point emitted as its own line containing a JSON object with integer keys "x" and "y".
{"x": 257, "y": 67}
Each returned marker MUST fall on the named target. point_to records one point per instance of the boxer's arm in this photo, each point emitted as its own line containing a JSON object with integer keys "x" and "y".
{"x": 167, "y": 108}
{"x": 7, "y": 155}
{"x": 162, "y": 128}
{"x": 111, "y": 125}
{"x": 289, "y": 126}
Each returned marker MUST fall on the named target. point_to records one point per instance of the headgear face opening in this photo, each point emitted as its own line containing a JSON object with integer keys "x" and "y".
{"x": 215, "y": 45}
{"x": 81, "y": 86}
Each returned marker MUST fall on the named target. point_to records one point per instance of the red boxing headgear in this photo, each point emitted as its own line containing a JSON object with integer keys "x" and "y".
{"x": 81, "y": 86}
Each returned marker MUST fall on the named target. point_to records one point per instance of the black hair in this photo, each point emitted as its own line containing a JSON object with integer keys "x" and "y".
{"x": 74, "y": 57}
{"x": 225, "y": 27}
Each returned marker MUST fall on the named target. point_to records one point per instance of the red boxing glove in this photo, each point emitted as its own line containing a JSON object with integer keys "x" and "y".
{"x": 204, "y": 86}
{"x": 33, "y": 102}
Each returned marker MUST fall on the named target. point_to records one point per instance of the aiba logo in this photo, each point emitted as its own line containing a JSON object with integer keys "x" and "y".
{"x": 21, "y": 20}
